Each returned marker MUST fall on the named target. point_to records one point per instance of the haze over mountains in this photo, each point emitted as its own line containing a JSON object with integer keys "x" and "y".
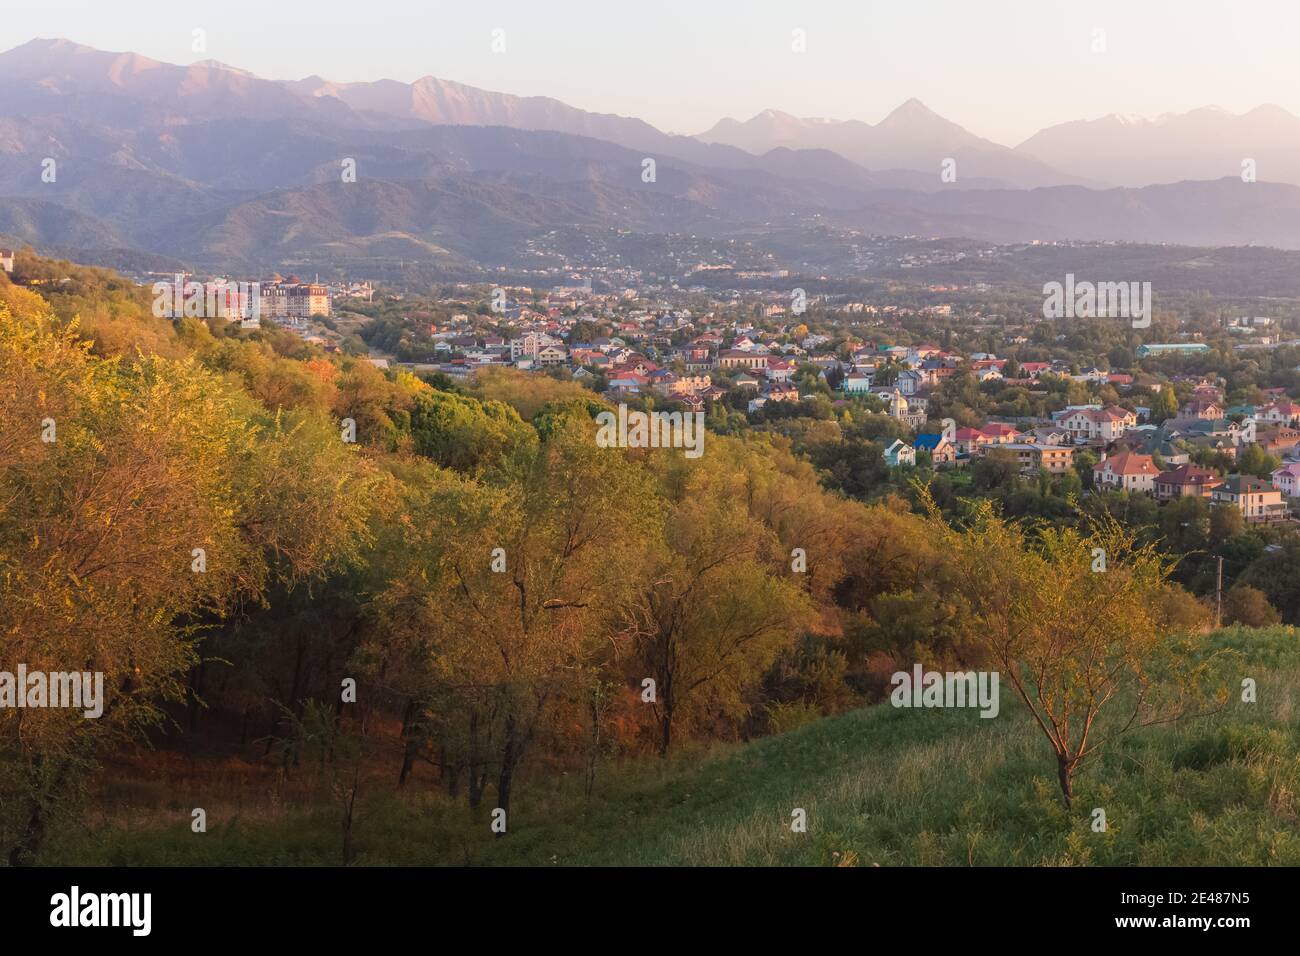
{"x": 217, "y": 167}
{"x": 911, "y": 137}
{"x": 1203, "y": 144}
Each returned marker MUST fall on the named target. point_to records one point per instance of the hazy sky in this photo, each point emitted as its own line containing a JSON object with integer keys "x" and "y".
{"x": 1001, "y": 68}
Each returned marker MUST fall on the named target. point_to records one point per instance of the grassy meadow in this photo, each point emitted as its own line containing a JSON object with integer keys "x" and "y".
{"x": 880, "y": 786}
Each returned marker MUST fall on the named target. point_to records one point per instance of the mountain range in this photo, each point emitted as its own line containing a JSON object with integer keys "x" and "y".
{"x": 219, "y": 168}
{"x": 911, "y": 137}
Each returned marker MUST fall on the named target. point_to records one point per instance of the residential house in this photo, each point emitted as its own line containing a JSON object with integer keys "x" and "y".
{"x": 1090, "y": 374}
{"x": 1278, "y": 441}
{"x": 1201, "y": 408}
{"x": 689, "y": 354}
{"x": 1097, "y": 424}
{"x": 1033, "y": 458}
{"x": 1001, "y": 433}
{"x": 900, "y": 453}
{"x": 1257, "y": 500}
{"x": 1223, "y": 428}
{"x": 551, "y": 355}
{"x": 1185, "y": 481}
{"x": 529, "y": 345}
{"x": 735, "y": 358}
{"x": 1287, "y": 479}
{"x": 627, "y": 385}
{"x": 910, "y": 382}
{"x": 970, "y": 440}
{"x": 690, "y": 384}
{"x": 1127, "y": 471}
{"x": 1048, "y": 436}
{"x": 1156, "y": 443}
{"x": 1284, "y": 412}
{"x": 937, "y": 370}
{"x": 779, "y": 392}
{"x": 713, "y": 393}
{"x": 942, "y": 451}
{"x": 780, "y": 370}
{"x": 856, "y": 383}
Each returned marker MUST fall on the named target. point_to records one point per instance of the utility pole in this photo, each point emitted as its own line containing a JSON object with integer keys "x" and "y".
{"x": 1218, "y": 597}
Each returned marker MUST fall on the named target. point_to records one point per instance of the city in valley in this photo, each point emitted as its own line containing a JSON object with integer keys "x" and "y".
{"x": 1127, "y": 411}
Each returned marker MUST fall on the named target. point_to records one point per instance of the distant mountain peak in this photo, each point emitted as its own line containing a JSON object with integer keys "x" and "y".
{"x": 218, "y": 65}
{"x": 912, "y": 103}
{"x": 1206, "y": 143}
{"x": 1270, "y": 111}
{"x": 912, "y": 137}
{"x": 55, "y": 43}
{"x": 771, "y": 118}
{"x": 911, "y": 110}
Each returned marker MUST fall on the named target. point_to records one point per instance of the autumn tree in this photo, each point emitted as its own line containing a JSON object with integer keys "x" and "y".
{"x": 506, "y": 600}
{"x": 721, "y": 601}
{"x": 1073, "y": 618}
{"x": 131, "y": 513}
{"x": 1248, "y": 606}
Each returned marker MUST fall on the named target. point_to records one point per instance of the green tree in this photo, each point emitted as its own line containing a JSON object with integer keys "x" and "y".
{"x": 1165, "y": 405}
{"x": 717, "y": 608}
{"x": 134, "y": 510}
{"x": 1255, "y": 461}
{"x": 1087, "y": 652}
{"x": 1249, "y": 606}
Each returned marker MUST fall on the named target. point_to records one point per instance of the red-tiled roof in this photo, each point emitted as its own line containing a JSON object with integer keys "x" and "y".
{"x": 1127, "y": 463}
{"x": 1188, "y": 475}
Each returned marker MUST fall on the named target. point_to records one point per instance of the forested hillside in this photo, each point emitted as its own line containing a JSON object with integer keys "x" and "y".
{"x": 318, "y": 587}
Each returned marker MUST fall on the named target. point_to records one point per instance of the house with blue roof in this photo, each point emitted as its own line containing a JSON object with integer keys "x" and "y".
{"x": 941, "y": 450}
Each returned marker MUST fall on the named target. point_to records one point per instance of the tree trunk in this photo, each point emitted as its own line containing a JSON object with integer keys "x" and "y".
{"x": 476, "y": 776}
{"x": 24, "y": 851}
{"x": 408, "y": 754}
{"x": 1065, "y": 774}
{"x": 666, "y": 722}
{"x": 509, "y": 759}
{"x": 349, "y": 853}
{"x": 593, "y": 754}
{"x": 667, "y": 690}
{"x": 29, "y": 844}
{"x": 450, "y": 773}
{"x": 192, "y": 695}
